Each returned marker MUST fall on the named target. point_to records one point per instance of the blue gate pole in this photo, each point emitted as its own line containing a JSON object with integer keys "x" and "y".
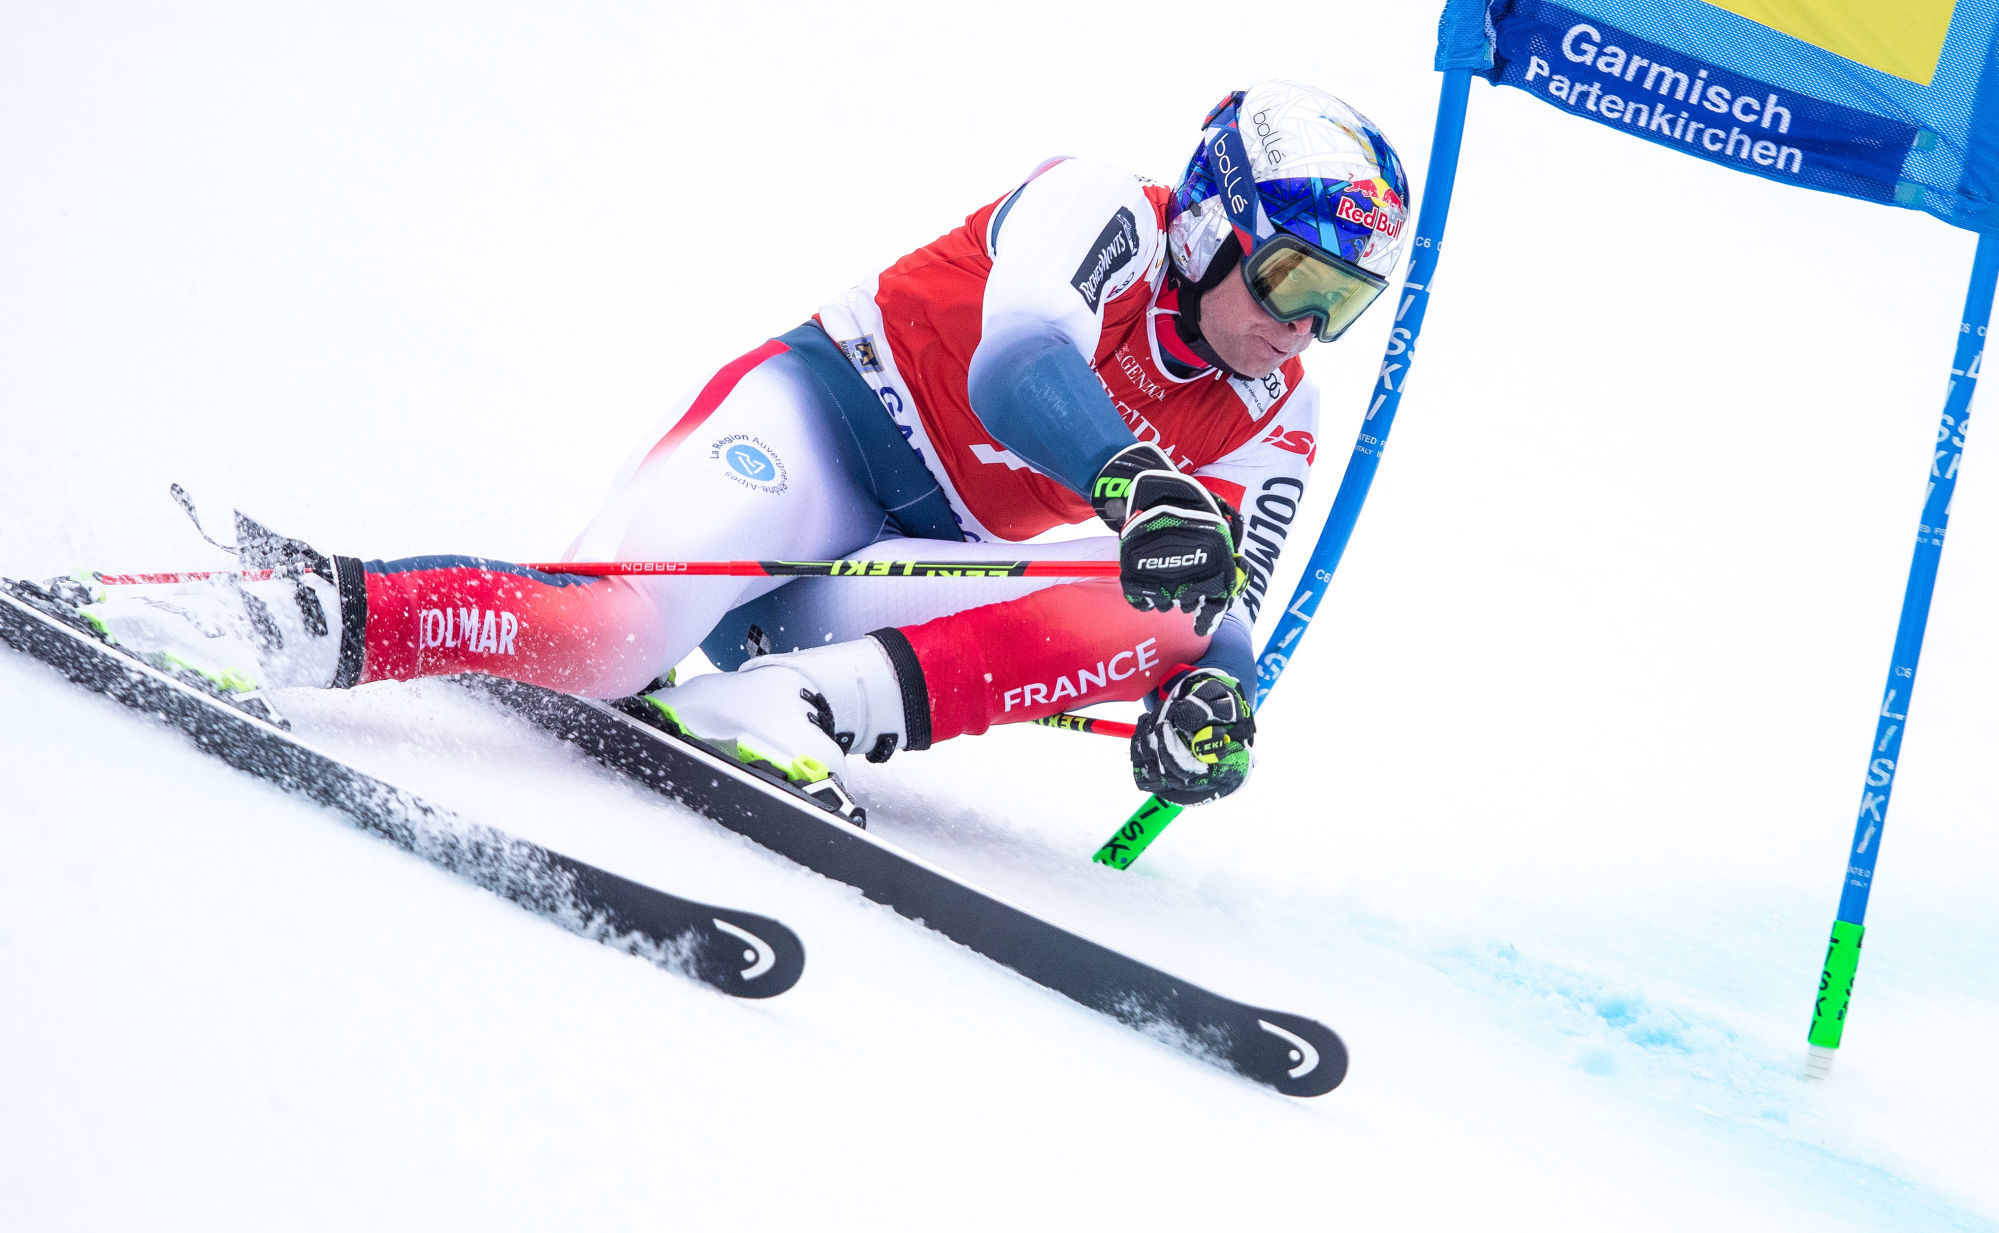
{"x": 1843, "y": 951}
{"x": 1145, "y": 825}
{"x": 1396, "y": 361}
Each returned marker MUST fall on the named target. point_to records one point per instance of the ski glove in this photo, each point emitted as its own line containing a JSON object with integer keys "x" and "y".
{"x": 1178, "y": 542}
{"x": 1195, "y": 746}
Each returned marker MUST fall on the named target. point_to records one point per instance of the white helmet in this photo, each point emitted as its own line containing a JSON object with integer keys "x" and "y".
{"x": 1322, "y": 173}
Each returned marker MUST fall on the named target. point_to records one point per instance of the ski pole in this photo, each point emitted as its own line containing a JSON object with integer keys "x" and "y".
{"x": 1121, "y": 849}
{"x": 729, "y": 569}
{"x": 635, "y": 569}
{"x": 836, "y": 569}
{"x": 1842, "y": 954}
{"x": 841, "y": 569}
{"x": 1086, "y": 723}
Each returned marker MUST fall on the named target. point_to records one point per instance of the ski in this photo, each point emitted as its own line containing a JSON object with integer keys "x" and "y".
{"x": 740, "y": 953}
{"x": 1293, "y": 1054}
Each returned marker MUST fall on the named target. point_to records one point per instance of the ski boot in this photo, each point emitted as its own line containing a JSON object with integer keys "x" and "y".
{"x": 75, "y": 602}
{"x": 241, "y": 635}
{"x": 792, "y": 717}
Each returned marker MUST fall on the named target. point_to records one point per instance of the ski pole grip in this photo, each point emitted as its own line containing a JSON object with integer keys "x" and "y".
{"x": 1842, "y": 958}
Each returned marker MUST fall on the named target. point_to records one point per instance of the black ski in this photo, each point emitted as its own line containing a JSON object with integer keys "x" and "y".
{"x": 1295, "y": 1055}
{"x": 737, "y": 952}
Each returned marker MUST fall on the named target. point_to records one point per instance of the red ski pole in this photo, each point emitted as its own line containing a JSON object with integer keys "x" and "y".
{"x": 1085, "y": 723}
{"x": 764, "y": 569}
{"x": 730, "y": 569}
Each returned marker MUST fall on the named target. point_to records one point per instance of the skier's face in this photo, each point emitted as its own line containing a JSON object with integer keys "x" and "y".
{"x": 1248, "y": 339}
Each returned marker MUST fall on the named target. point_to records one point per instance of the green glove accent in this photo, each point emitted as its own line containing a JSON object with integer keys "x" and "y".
{"x": 1179, "y": 545}
{"x": 1194, "y": 747}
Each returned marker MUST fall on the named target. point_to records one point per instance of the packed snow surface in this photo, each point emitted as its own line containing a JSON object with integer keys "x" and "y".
{"x": 1550, "y": 806}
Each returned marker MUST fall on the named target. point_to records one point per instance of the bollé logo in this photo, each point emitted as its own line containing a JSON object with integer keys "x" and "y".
{"x": 1230, "y": 166}
{"x": 1271, "y": 137}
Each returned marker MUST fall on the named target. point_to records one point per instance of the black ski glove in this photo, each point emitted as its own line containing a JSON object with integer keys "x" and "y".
{"x": 1195, "y": 746}
{"x": 1177, "y": 542}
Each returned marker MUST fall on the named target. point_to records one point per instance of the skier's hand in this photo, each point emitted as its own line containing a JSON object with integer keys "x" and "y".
{"x": 1195, "y": 746}
{"x": 1178, "y": 543}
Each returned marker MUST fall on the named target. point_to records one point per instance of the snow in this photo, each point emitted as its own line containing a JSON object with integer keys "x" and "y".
{"x": 1549, "y": 811}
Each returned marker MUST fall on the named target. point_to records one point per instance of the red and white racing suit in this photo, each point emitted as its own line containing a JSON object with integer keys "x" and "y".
{"x": 856, "y": 435}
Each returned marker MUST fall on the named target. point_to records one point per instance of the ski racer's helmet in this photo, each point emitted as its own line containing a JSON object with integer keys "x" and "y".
{"x": 1311, "y": 195}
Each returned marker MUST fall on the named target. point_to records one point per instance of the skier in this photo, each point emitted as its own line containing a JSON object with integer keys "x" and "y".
{"x": 1091, "y": 345}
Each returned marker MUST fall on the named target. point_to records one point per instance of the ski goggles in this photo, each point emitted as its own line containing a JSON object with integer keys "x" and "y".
{"x": 1293, "y": 280}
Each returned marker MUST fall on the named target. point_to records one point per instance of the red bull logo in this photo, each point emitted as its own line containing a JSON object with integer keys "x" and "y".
{"x": 1380, "y": 218}
{"x": 1380, "y": 190}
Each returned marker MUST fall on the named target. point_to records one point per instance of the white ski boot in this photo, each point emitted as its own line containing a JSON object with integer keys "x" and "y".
{"x": 796, "y": 716}
{"x": 242, "y": 635}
